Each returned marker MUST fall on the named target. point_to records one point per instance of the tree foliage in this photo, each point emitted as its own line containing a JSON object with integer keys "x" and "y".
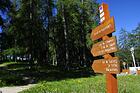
{"x": 52, "y": 32}
{"x": 127, "y": 40}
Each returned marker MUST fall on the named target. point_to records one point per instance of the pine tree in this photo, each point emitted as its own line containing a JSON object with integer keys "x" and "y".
{"x": 76, "y": 18}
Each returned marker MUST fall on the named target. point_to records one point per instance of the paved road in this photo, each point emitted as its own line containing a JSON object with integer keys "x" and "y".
{"x": 15, "y": 89}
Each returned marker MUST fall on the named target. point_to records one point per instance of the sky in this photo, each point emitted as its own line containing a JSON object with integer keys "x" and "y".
{"x": 125, "y": 12}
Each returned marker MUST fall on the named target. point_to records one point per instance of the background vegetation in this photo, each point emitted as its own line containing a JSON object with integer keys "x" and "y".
{"x": 127, "y": 40}
{"x": 48, "y": 32}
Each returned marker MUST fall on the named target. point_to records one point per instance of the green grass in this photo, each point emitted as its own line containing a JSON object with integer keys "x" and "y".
{"x": 129, "y": 84}
{"x": 53, "y": 81}
{"x": 94, "y": 84}
{"x": 81, "y": 85}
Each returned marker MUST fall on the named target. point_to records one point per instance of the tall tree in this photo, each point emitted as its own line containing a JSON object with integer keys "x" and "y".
{"x": 127, "y": 40}
{"x": 136, "y": 40}
{"x": 124, "y": 53}
{"x": 76, "y": 20}
{"x": 26, "y": 27}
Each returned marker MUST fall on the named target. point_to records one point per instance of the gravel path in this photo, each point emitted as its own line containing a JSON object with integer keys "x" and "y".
{"x": 15, "y": 89}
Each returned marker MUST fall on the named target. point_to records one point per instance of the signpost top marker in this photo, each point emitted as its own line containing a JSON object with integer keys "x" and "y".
{"x": 104, "y": 12}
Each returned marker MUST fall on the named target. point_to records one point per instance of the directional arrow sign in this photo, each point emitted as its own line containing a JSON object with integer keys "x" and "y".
{"x": 104, "y": 29}
{"x": 104, "y": 47}
{"x": 111, "y": 65}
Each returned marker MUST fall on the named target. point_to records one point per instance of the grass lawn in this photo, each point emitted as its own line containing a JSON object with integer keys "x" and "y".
{"x": 53, "y": 81}
{"x": 94, "y": 84}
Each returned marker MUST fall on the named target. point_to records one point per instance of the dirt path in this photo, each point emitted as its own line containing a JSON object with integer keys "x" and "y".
{"x": 15, "y": 89}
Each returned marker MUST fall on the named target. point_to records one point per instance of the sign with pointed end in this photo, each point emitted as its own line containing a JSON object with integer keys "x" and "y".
{"x": 111, "y": 65}
{"x": 104, "y": 29}
{"x": 104, "y": 47}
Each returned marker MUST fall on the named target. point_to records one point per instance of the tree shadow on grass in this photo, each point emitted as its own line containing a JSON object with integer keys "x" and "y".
{"x": 22, "y": 74}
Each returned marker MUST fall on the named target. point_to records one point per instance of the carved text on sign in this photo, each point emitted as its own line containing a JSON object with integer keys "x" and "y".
{"x": 104, "y": 29}
{"x": 111, "y": 65}
{"x": 104, "y": 47}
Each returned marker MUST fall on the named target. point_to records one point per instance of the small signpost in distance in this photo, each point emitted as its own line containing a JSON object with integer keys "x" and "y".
{"x": 110, "y": 65}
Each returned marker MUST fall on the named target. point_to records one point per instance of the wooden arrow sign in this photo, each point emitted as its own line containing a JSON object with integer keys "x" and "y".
{"x": 111, "y": 65}
{"x": 104, "y": 47}
{"x": 104, "y": 29}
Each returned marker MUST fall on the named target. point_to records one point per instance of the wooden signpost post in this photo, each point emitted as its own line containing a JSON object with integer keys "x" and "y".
{"x": 110, "y": 65}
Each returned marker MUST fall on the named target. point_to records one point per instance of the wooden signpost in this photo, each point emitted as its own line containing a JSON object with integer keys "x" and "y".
{"x": 110, "y": 65}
